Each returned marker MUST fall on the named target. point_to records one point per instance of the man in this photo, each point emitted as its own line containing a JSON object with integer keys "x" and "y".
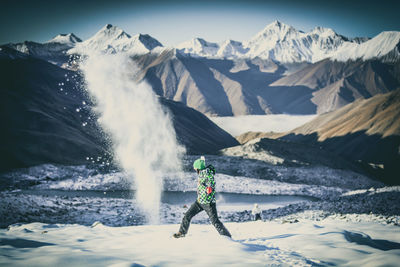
{"x": 205, "y": 199}
{"x": 256, "y": 212}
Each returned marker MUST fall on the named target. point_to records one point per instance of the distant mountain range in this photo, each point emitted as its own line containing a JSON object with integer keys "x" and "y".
{"x": 279, "y": 70}
{"x": 283, "y": 43}
{"x": 277, "y": 41}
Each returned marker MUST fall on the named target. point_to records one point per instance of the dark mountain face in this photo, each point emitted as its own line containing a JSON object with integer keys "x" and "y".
{"x": 46, "y": 117}
{"x": 366, "y": 131}
{"x": 223, "y": 87}
{"x": 196, "y": 131}
{"x": 39, "y": 121}
{"x": 240, "y": 87}
{"x": 335, "y": 84}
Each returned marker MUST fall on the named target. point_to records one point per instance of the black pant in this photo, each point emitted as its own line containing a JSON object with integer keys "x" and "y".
{"x": 211, "y": 210}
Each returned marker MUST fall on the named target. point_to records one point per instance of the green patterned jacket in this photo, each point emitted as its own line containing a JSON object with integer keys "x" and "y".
{"x": 206, "y": 179}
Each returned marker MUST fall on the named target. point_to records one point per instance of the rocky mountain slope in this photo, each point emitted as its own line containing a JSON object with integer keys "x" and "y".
{"x": 47, "y": 117}
{"x": 335, "y": 84}
{"x": 224, "y": 87}
{"x": 366, "y": 130}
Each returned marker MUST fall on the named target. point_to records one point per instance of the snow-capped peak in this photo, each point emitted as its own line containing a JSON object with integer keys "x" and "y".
{"x": 230, "y": 48}
{"x": 322, "y": 31}
{"x": 199, "y": 47}
{"x": 69, "y": 38}
{"x": 148, "y": 41}
{"x": 274, "y": 32}
{"x": 109, "y": 33}
{"x": 112, "y": 39}
{"x": 387, "y": 42}
{"x": 284, "y": 43}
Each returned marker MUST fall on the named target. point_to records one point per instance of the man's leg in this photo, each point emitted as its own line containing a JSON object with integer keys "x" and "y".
{"x": 211, "y": 210}
{"x": 189, "y": 214}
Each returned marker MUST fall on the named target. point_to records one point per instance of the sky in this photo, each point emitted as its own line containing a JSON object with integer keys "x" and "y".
{"x": 174, "y": 21}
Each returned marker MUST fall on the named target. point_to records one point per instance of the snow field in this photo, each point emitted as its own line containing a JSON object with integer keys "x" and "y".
{"x": 305, "y": 243}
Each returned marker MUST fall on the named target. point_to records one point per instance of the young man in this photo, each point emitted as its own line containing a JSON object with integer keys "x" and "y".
{"x": 205, "y": 199}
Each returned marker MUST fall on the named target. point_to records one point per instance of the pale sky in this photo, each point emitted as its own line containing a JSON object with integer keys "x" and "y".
{"x": 172, "y": 22}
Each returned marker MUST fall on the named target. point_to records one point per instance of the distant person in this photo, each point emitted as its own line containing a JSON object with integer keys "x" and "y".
{"x": 256, "y": 212}
{"x": 205, "y": 199}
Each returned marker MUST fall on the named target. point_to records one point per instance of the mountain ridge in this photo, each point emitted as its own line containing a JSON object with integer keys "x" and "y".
{"x": 277, "y": 41}
{"x": 226, "y": 84}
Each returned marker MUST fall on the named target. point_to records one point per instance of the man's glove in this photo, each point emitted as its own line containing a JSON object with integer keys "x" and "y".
{"x": 209, "y": 190}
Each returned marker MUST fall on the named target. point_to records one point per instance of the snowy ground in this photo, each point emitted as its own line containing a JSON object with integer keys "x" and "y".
{"x": 329, "y": 242}
{"x": 261, "y": 123}
{"x": 312, "y": 216}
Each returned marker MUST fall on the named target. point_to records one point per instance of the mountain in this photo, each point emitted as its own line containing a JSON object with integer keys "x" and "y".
{"x": 70, "y": 39}
{"x": 385, "y": 45}
{"x": 39, "y": 120}
{"x": 279, "y": 70}
{"x": 335, "y": 84}
{"x": 217, "y": 87}
{"x": 253, "y": 78}
{"x": 285, "y": 44}
{"x": 47, "y": 117}
{"x": 367, "y": 130}
{"x": 199, "y": 47}
{"x": 54, "y": 50}
{"x": 277, "y": 42}
{"x": 195, "y": 131}
{"x": 231, "y": 49}
{"x": 232, "y": 87}
{"x": 377, "y": 116}
{"x": 111, "y": 39}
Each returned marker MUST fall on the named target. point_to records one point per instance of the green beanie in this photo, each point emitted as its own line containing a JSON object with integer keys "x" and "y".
{"x": 199, "y": 164}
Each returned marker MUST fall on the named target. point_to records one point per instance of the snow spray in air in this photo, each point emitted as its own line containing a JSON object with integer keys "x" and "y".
{"x": 143, "y": 138}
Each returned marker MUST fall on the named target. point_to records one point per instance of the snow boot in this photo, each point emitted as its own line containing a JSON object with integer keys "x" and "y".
{"x": 178, "y": 235}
